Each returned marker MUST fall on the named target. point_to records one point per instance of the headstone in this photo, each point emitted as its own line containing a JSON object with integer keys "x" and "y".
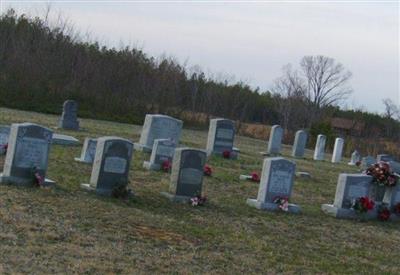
{"x": 275, "y": 140}
{"x": 221, "y": 135}
{"x": 163, "y": 150}
{"x": 395, "y": 166}
{"x": 276, "y": 181}
{"x": 337, "y": 150}
{"x": 111, "y": 165}
{"x": 349, "y": 188}
{"x": 28, "y": 152}
{"x": 59, "y": 139}
{"x": 88, "y": 151}
{"x": 69, "y": 117}
{"x": 367, "y": 161}
{"x": 355, "y": 157}
{"x": 319, "y": 152}
{"x": 186, "y": 175}
{"x": 158, "y": 127}
{"x": 299, "y": 144}
{"x": 384, "y": 157}
{"x": 4, "y": 134}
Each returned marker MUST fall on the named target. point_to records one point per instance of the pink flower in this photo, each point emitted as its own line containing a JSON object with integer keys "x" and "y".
{"x": 255, "y": 177}
{"x": 166, "y": 165}
{"x": 207, "y": 170}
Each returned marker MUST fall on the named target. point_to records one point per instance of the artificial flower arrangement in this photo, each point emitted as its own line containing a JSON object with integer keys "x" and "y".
{"x": 383, "y": 213}
{"x": 382, "y": 174}
{"x": 363, "y": 205}
{"x": 282, "y": 202}
{"x": 226, "y": 154}
{"x": 198, "y": 200}
{"x": 38, "y": 180}
{"x": 254, "y": 176}
{"x": 207, "y": 170}
{"x": 166, "y": 166}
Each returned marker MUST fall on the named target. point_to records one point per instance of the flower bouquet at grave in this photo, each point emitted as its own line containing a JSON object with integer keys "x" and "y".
{"x": 226, "y": 154}
{"x": 254, "y": 176}
{"x": 166, "y": 166}
{"x": 283, "y": 203}
{"x": 207, "y": 170}
{"x": 121, "y": 191}
{"x": 198, "y": 200}
{"x": 363, "y": 204}
{"x": 38, "y": 180}
{"x": 382, "y": 174}
{"x": 383, "y": 213}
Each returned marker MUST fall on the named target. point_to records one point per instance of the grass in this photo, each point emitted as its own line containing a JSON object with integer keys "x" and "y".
{"x": 67, "y": 230}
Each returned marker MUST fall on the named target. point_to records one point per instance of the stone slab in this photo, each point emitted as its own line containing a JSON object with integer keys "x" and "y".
{"x": 60, "y": 139}
{"x": 293, "y": 208}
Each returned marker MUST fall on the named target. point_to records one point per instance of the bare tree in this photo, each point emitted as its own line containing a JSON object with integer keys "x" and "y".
{"x": 391, "y": 109}
{"x": 327, "y": 82}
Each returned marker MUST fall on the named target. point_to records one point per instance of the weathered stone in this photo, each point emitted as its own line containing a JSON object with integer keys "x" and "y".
{"x": 338, "y": 150}
{"x": 299, "y": 144}
{"x": 69, "y": 117}
{"x": 319, "y": 152}
{"x": 275, "y": 140}
{"x": 88, "y": 151}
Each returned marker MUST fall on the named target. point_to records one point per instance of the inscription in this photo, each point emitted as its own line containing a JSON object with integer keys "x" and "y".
{"x": 191, "y": 176}
{"x": 223, "y": 143}
{"x": 115, "y": 165}
{"x": 31, "y": 152}
{"x": 280, "y": 182}
{"x": 225, "y": 133}
{"x": 165, "y": 150}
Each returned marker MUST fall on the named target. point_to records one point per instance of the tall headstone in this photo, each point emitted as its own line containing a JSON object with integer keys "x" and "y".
{"x": 28, "y": 153}
{"x": 163, "y": 150}
{"x": 159, "y": 127}
{"x": 367, "y": 161}
{"x": 384, "y": 157}
{"x": 276, "y": 182}
{"x": 275, "y": 140}
{"x": 319, "y": 152}
{"x": 186, "y": 175}
{"x": 69, "y": 117}
{"x": 4, "y": 134}
{"x": 299, "y": 144}
{"x": 337, "y": 150}
{"x": 355, "y": 157}
{"x": 221, "y": 135}
{"x": 88, "y": 151}
{"x": 349, "y": 188}
{"x": 111, "y": 165}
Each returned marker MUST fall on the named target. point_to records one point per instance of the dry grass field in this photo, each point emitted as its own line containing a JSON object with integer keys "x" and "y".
{"x": 67, "y": 230}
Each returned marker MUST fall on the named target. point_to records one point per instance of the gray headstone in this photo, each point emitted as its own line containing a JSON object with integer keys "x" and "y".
{"x": 275, "y": 140}
{"x": 349, "y": 188}
{"x": 395, "y": 166}
{"x": 384, "y": 157}
{"x": 355, "y": 157}
{"x": 277, "y": 179}
{"x": 163, "y": 150}
{"x": 367, "y": 161}
{"x": 69, "y": 117}
{"x": 221, "y": 135}
{"x": 59, "y": 139}
{"x": 88, "y": 151}
{"x": 187, "y": 174}
{"x": 338, "y": 150}
{"x": 159, "y": 127}
{"x": 392, "y": 196}
{"x": 111, "y": 165}
{"x": 319, "y": 152}
{"x": 299, "y": 144}
{"x": 28, "y": 150}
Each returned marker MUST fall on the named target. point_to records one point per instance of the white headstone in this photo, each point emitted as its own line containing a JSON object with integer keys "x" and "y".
{"x": 338, "y": 150}
{"x": 319, "y": 152}
{"x": 275, "y": 140}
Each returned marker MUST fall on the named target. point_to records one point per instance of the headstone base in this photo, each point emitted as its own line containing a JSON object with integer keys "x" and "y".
{"x": 151, "y": 166}
{"x": 142, "y": 148}
{"x": 59, "y": 139}
{"x": 176, "y": 198}
{"x": 82, "y": 160}
{"x": 101, "y": 192}
{"x": 303, "y": 175}
{"x": 266, "y": 154}
{"x": 23, "y": 182}
{"x": 293, "y": 208}
{"x": 68, "y": 125}
{"x": 344, "y": 213}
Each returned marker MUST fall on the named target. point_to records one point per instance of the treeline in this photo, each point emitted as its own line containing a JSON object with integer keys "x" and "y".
{"x": 41, "y": 66}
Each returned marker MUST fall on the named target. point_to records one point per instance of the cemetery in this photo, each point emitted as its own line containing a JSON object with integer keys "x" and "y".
{"x": 183, "y": 214}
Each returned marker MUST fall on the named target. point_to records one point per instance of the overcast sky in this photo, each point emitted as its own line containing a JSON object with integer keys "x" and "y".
{"x": 252, "y": 40}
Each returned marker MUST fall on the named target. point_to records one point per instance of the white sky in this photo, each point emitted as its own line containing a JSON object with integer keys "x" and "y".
{"x": 252, "y": 40}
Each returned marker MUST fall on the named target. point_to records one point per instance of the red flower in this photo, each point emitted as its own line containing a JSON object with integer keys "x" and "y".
{"x": 166, "y": 166}
{"x": 207, "y": 170}
{"x": 367, "y": 203}
{"x": 226, "y": 154}
{"x": 255, "y": 177}
{"x": 397, "y": 209}
{"x": 384, "y": 214}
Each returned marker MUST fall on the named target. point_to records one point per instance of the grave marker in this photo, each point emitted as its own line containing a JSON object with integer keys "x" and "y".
{"x": 69, "y": 117}
{"x": 163, "y": 150}
{"x": 275, "y": 140}
{"x": 88, "y": 151}
{"x": 221, "y": 135}
{"x": 337, "y": 150}
{"x": 299, "y": 144}
{"x": 319, "y": 152}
